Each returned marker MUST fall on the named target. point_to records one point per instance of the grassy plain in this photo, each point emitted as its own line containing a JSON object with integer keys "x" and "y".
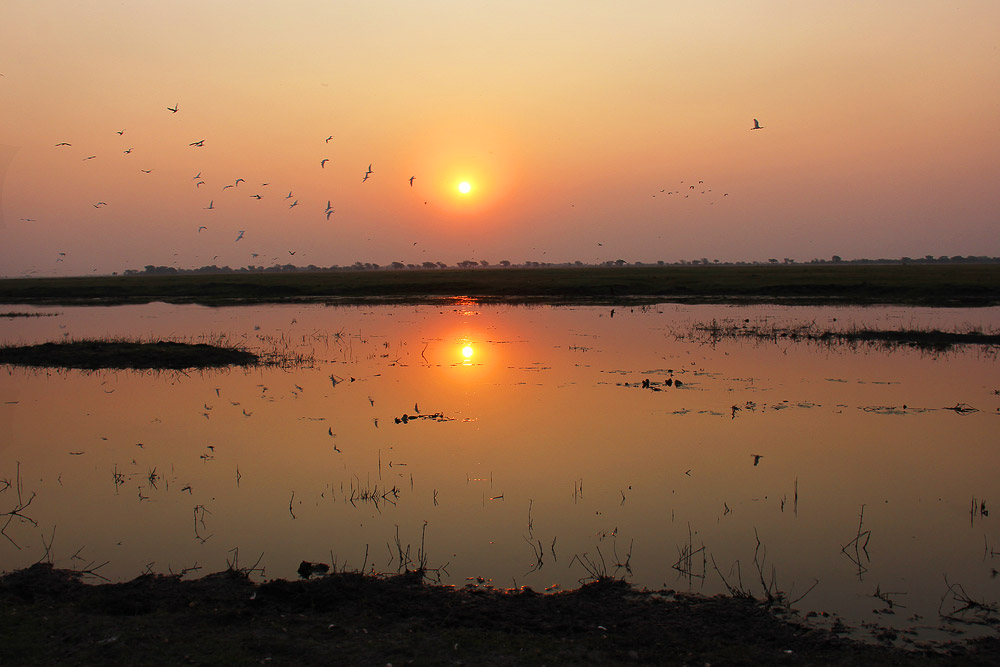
{"x": 916, "y": 284}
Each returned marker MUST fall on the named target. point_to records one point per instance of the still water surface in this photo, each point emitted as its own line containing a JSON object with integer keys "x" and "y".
{"x": 531, "y": 453}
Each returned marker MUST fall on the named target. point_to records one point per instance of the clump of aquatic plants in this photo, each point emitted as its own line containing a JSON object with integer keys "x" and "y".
{"x": 115, "y": 353}
{"x": 932, "y": 340}
{"x": 137, "y": 354}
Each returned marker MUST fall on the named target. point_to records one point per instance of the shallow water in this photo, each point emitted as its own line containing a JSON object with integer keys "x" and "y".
{"x": 536, "y": 457}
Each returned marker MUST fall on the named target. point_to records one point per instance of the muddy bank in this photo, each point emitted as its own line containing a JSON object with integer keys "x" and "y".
{"x": 51, "y": 617}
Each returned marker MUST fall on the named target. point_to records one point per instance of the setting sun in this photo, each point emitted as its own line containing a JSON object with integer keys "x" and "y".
{"x": 467, "y": 351}
{"x": 464, "y": 187}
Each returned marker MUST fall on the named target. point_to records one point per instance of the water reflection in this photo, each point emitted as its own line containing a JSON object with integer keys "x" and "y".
{"x": 568, "y": 443}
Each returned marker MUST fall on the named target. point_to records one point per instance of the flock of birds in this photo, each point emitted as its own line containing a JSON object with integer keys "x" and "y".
{"x": 328, "y": 211}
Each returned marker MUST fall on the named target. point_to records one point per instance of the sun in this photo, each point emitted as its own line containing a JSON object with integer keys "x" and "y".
{"x": 465, "y": 187}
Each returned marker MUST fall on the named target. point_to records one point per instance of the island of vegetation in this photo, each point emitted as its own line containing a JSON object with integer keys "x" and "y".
{"x": 119, "y": 354}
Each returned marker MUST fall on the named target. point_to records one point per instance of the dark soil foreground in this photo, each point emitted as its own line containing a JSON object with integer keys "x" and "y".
{"x": 49, "y": 617}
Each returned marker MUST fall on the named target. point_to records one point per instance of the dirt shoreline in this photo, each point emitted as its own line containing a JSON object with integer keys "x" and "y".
{"x": 51, "y": 617}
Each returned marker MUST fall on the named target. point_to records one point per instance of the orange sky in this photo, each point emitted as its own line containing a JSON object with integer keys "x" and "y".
{"x": 573, "y": 121}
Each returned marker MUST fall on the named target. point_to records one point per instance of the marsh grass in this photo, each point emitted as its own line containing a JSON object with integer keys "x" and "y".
{"x": 928, "y": 340}
{"x": 13, "y": 314}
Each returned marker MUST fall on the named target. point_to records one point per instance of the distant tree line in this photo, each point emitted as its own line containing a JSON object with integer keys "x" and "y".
{"x": 151, "y": 269}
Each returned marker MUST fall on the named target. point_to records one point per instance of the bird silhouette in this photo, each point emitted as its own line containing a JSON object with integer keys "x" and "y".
{"x": 64, "y": 143}
{"x": 756, "y": 125}
{"x": 211, "y": 205}
{"x": 367, "y": 174}
{"x": 174, "y": 108}
{"x": 322, "y": 163}
{"x": 240, "y": 235}
{"x": 328, "y": 138}
{"x": 199, "y": 143}
{"x": 757, "y": 458}
{"x": 411, "y": 180}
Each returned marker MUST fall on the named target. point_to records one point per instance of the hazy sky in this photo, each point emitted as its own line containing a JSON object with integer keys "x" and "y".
{"x": 573, "y": 122}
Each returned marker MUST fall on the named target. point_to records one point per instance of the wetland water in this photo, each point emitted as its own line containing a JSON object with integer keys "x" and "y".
{"x": 531, "y": 453}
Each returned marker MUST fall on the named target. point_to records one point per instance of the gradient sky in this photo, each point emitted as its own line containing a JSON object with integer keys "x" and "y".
{"x": 572, "y": 120}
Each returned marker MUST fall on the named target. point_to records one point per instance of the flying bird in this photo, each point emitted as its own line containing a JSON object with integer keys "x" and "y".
{"x": 328, "y": 138}
{"x": 174, "y": 108}
{"x": 100, "y": 204}
{"x": 127, "y": 151}
{"x": 255, "y": 196}
{"x": 294, "y": 204}
{"x": 238, "y": 181}
{"x": 228, "y": 186}
{"x": 89, "y": 157}
{"x": 289, "y": 195}
{"x": 322, "y": 163}
{"x": 146, "y": 171}
{"x": 756, "y": 125}
{"x": 211, "y": 205}
{"x": 196, "y": 176}
{"x": 757, "y": 458}
{"x": 411, "y": 180}
{"x": 201, "y": 228}
{"x": 199, "y": 144}
{"x": 240, "y": 235}
{"x": 64, "y": 143}
{"x": 367, "y": 174}
{"x": 329, "y": 212}
{"x": 199, "y": 184}
{"x": 121, "y": 132}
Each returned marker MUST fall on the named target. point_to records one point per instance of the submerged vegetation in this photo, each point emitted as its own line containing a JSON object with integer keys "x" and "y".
{"x": 932, "y": 284}
{"x": 98, "y": 354}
